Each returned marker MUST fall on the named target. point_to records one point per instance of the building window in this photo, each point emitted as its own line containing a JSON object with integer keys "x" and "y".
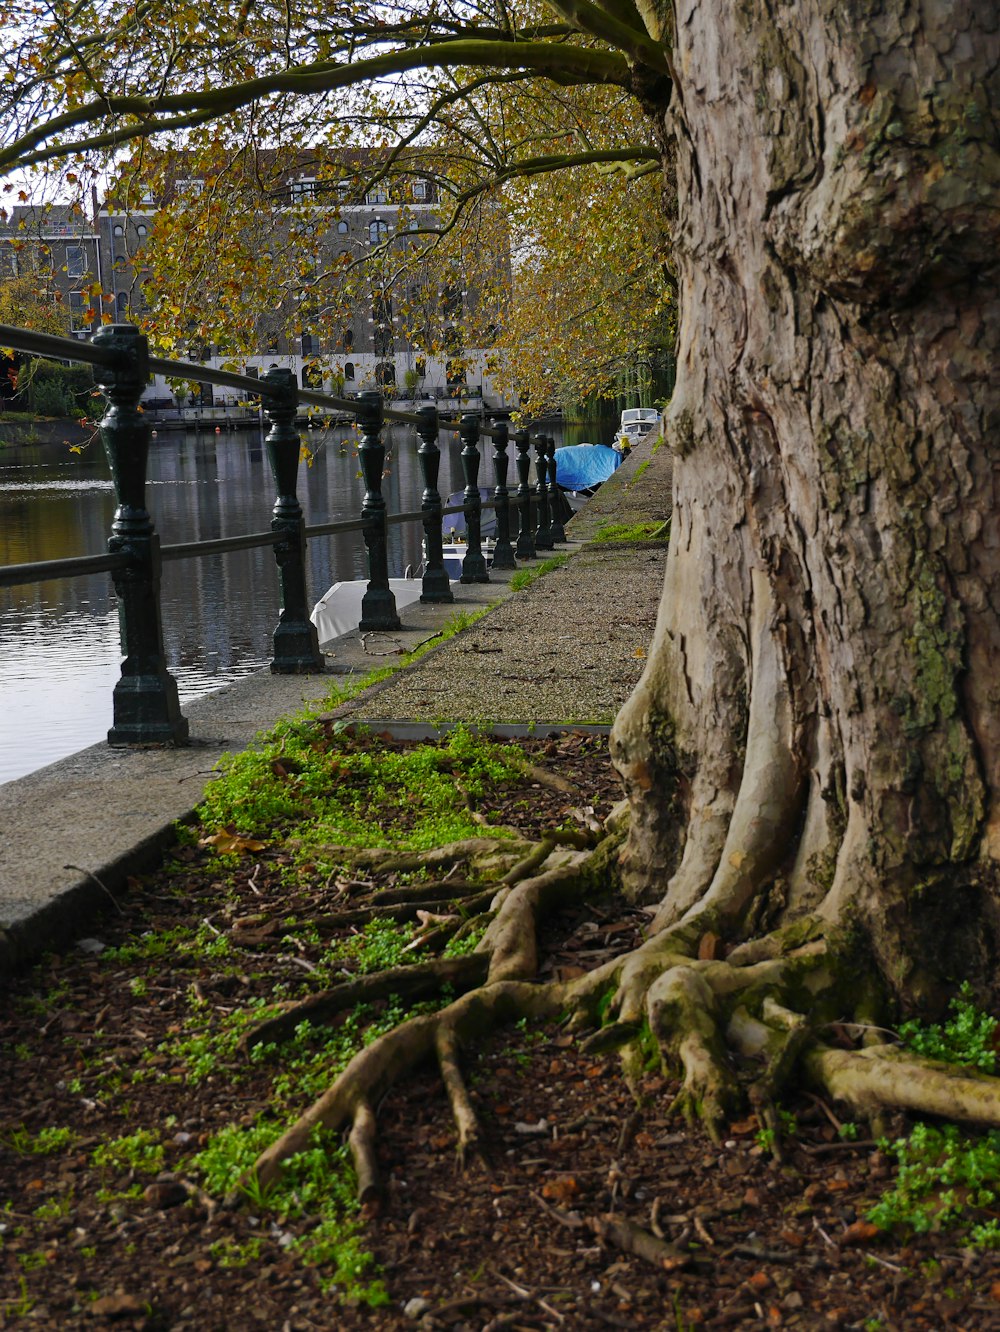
{"x": 378, "y": 231}
{"x": 118, "y": 231}
{"x": 342, "y": 189}
{"x": 348, "y": 339}
{"x": 349, "y": 370}
{"x": 142, "y": 231}
{"x": 8, "y": 261}
{"x": 310, "y": 344}
{"x": 121, "y": 301}
{"x": 253, "y": 372}
{"x": 455, "y": 374}
{"x": 385, "y": 374}
{"x": 119, "y": 262}
{"x": 300, "y": 191}
{"x": 76, "y": 261}
{"x": 192, "y": 188}
{"x": 204, "y": 396}
{"x": 421, "y": 191}
{"x": 312, "y": 376}
{"x": 342, "y": 227}
{"x": 420, "y": 365}
{"x": 146, "y": 198}
{"x": 377, "y": 194}
{"x": 451, "y": 301}
{"x": 78, "y": 321}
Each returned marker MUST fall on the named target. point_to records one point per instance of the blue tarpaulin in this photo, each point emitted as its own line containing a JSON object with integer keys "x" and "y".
{"x": 582, "y": 466}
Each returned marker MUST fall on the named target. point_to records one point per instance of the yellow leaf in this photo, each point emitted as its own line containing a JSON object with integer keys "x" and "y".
{"x": 229, "y": 842}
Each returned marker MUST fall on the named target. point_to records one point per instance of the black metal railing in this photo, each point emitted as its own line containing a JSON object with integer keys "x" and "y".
{"x": 146, "y": 706}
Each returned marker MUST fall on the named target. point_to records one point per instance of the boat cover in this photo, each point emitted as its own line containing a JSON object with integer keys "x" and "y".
{"x": 583, "y": 466}
{"x": 339, "y": 610}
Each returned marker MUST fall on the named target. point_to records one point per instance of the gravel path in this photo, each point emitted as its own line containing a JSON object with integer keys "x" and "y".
{"x": 568, "y": 648}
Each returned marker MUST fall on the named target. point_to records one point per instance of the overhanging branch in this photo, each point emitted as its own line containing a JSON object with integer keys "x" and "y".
{"x": 564, "y": 63}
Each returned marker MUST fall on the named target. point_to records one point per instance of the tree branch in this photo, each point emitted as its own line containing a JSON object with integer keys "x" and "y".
{"x": 564, "y": 63}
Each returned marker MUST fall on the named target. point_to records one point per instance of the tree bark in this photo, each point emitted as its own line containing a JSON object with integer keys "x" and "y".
{"x": 818, "y": 726}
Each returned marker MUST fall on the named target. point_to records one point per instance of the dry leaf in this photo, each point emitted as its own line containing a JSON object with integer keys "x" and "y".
{"x": 227, "y": 841}
{"x": 859, "y": 1232}
{"x": 561, "y": 1190}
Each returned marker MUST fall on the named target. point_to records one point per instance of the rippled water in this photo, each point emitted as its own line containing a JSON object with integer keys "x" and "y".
{"x": 59, "y": 649}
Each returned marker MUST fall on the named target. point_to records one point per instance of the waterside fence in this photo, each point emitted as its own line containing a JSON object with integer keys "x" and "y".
{"x": 146, "y": 706}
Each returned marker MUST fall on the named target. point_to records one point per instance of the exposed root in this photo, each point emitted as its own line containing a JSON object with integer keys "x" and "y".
{"x": 683, "y": 1019}
{"x": 407, "y": 983}
{"x": 466, "y": 1120}
{"x": 378, "y": 1066}
{"x": 511, "y": 939}
{"x": 473, "y": 849}
{"x": 885, "y": 1077}
{"x": 362, "y": 1145}
{"x": 550, "y": 779}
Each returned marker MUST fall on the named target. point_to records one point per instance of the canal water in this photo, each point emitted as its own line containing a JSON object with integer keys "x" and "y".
{"x": 59, "y": 645}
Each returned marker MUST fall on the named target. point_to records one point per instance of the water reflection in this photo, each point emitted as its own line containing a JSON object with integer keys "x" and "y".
{"x": 59, "y": 650}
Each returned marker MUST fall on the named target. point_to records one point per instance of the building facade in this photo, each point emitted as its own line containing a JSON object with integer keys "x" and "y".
{"x": 389, "y": 330}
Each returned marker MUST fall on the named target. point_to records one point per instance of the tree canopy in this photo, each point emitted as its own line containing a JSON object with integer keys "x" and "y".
{"x": 525, "y": 117}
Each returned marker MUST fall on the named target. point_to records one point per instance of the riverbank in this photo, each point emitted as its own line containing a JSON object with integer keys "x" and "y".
{"x": 26, "y": 429}
{"x": 568, "y": 649}
{"x": 141, "y": 1084}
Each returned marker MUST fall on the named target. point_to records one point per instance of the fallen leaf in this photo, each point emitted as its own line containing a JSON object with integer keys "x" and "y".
{"x": 794, "y": 1239}
{"x": 229, "y": 842}
{"x": 709, "y": 947}
{"x": 115, "y": 1306}
{"x": 859, "y": 1232}
{"x": 561, "y": 1190}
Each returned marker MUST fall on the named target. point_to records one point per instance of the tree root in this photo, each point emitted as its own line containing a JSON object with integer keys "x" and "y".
{"x": 466, "y": 1120}
{"x": 374, "y": 1069}
{"x": 886, "y": 1077}
{"x": 406, "y": 983}
{"x": 675, "y": 997}
{"x": 386, "y": 861}
{"x": 362, "y": 1146}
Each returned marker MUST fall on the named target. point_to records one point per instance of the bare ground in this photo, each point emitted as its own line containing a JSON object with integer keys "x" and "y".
{"x": 591, "y": 1207}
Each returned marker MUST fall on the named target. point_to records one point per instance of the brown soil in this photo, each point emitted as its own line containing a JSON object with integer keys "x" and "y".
{"x": 556, "y": 1229}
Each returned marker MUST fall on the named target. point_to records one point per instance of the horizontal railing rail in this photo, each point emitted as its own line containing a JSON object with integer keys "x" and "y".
{"x": 146, "y": 707}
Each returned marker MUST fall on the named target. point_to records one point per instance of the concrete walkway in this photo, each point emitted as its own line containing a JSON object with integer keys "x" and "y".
{"x": 568, "y": 649}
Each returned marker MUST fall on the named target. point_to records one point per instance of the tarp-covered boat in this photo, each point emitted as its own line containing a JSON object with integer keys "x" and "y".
{"x": 583, "y": 467}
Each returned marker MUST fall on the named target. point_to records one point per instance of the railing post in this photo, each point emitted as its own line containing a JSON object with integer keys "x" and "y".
{"x": 146, "y": 707}
{"x": 525, "y": 548}
{"x": 378, "y": 605}
{"x": 556, "y": 530}
{"x": 436, "y": 585}
{"x": 296, "y": 645}
{"x": 474, "y": 564}
{"x": 543, "y": 534}
{"x": 503, "y": 552}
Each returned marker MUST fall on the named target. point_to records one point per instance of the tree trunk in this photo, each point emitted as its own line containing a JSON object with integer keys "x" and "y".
{"x": 818, "y": 727}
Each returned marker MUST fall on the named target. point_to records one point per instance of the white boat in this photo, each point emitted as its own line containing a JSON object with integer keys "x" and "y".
{"x": 635, "y": 424}
{"x": 338, "y": 610}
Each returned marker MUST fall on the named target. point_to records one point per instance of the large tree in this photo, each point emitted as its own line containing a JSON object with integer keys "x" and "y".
{"x": 812, "y": 758}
